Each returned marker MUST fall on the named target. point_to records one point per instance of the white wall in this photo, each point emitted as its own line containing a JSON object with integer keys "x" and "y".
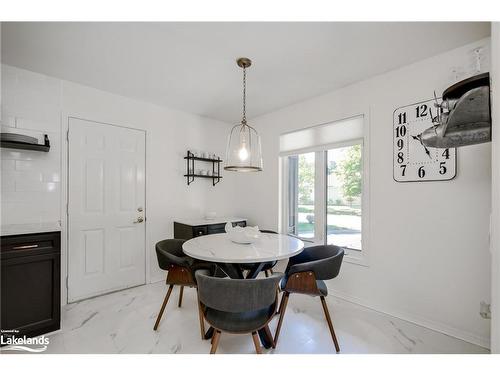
{"x": 428, "y": 248}
{"x": 33, "y": 187}
{"x": 495, "y": 189}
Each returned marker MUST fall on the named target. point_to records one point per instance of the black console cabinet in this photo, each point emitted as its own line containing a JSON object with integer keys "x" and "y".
{"x": 186, "y": 231}
{"x": 31, "y": 284}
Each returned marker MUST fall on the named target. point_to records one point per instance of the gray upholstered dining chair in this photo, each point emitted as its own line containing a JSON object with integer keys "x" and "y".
{"x": 305, "y": 273}
{"x": 180, "y": 271}
{"x": 267, "y": 267}
{"x": 238, "y": 306}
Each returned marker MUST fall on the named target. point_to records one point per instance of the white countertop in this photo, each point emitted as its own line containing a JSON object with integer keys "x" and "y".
{"x": 202, "y": 221}
{"x": 219, "y": 248}
{"x": 13, "y": 229}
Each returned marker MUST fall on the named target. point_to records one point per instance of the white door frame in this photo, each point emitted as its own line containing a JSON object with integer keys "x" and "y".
{"x": 495, "y": 189}
{"x": 65, "y": 119}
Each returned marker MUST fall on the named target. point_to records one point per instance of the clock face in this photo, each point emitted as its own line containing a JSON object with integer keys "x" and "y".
{"x": 411, "y": 160}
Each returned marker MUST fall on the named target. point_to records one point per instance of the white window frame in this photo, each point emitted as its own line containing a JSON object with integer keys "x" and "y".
{"x": 321, "y": 192}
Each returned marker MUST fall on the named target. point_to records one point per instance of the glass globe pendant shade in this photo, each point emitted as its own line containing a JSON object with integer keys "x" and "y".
{"x": 244, "y": 151}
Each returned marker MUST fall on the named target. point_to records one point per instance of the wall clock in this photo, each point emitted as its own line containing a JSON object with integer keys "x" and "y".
{"x": 412, "y": 161}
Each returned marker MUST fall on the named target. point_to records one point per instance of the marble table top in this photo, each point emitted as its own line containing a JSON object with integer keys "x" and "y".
{"x": 15, "y": 229}
{"x": 220, "y": 249}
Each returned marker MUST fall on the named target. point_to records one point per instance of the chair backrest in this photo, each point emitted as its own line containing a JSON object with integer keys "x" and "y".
{"x": 323, "y": 260}
{"x": 237, "y": 295}
{"x": 169, "y": 252}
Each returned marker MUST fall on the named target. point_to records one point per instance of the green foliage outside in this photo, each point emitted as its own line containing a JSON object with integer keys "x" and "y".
{"x": 306, "y": 181}
{"x": 349, "y": 173}
{"x": 347, "y": 170}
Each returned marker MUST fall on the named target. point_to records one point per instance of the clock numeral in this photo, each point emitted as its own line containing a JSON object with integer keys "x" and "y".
{"x": 421, "y": 172}
{"x": 442, "y": 167}
{"x": 400, "y": 131}
{"x": 446, "y": 153}
{"x": 421, "y": 110}
{"x": 400, "y": 157}
{"x": 403, "y": 169}
{"x": 402, "y": 118}
{"x": 400, "y": 144}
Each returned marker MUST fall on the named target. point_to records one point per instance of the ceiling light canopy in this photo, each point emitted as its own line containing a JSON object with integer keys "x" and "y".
{"x": 244, "y": 151}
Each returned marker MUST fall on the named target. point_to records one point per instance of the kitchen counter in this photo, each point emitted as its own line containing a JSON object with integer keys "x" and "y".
{"x": 217, "y": 220}
{"x": 15, "y": 229}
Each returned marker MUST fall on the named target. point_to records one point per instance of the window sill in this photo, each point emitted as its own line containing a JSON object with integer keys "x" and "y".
{"x": 360, "y": 259}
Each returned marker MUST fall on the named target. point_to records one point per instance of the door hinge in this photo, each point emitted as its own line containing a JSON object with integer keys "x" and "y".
{"x": 67, "y": 135}
{"x": 67, "y": 209}
{"x": 67, "y": 282}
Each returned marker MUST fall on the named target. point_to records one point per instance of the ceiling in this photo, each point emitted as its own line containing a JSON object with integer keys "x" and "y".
{"x": 191, "y": 66}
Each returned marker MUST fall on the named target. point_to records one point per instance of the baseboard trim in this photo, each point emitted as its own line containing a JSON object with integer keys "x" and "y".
{"x": 435, "y": 326}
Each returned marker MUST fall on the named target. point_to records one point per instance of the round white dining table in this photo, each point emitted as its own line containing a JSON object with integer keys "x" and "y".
{"x": 218, "y": 248}
{"x": 228, "y": 255}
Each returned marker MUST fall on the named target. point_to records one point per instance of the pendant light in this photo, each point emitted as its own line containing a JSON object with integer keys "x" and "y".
{"x": 243, "y": 152}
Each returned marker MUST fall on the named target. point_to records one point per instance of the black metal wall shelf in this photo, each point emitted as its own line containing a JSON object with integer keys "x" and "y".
{"x": 27, "y": 146}
{"x": 190, "y": 175}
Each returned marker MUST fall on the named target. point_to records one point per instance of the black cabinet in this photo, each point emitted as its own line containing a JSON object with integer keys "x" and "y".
{"x": 186, "y": 231}
{"x": 31, "y": 284}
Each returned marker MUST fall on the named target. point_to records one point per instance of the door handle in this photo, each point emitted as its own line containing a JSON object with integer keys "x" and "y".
{"x": 139, "y": 220}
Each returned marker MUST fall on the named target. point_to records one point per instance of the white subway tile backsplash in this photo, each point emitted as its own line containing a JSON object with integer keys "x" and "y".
{"x": 26, "y": 185}
{"x": 27, "y": 176}
{"x": 24, "y": 165}
{"x": 8, "y": 184}
{"x": 8, "y": 121}
{"x": 13, "y": 154}
{"x": 51, "y": 177}
{"x": 8, "y": 165}
{"x": 31, "y": 105}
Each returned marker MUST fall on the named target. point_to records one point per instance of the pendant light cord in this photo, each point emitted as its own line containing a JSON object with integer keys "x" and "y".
{"x": 244, "y": 120}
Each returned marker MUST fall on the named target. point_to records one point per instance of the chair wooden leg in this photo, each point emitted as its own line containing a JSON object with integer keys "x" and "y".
{"x": 269, "y": 336}
{"x": 284, "y": 301}
{"x": 163, "y": 306}
{"x": 330, "y": 325}
{"x": 215, "y": 342}
{"x": 180, "y": 295}
{"x": 256, "y": 342}
{"x": 266, "y": 273}
{"x": 202, "y": 320}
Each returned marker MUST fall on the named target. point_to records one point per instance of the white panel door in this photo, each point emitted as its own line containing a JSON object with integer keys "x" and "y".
{"x": 106, "y": 200}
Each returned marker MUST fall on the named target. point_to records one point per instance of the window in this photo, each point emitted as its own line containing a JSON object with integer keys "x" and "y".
{"x": 323, "y": 185}
{"x": 343, "y": 196}
{"x": 301, "y": 195}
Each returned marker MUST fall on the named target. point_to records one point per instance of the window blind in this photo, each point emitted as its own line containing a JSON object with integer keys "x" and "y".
{"x": 334, "y": 132}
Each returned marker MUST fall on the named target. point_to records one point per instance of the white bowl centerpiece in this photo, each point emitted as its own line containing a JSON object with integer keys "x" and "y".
{"x": 242, "y": 235}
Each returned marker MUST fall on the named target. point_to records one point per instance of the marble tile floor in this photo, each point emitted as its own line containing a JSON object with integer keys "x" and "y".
{"x": 122, "y": 322}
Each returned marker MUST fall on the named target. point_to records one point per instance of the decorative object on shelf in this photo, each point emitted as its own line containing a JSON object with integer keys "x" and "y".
{"x": 242, "y": 235}
{"x": 24, "y": 142}
{"x": 463, "y": 117}
{"x": 244, "y": 151}
{"x": 413, "y": 161}
{"x": 191, "y": 172}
